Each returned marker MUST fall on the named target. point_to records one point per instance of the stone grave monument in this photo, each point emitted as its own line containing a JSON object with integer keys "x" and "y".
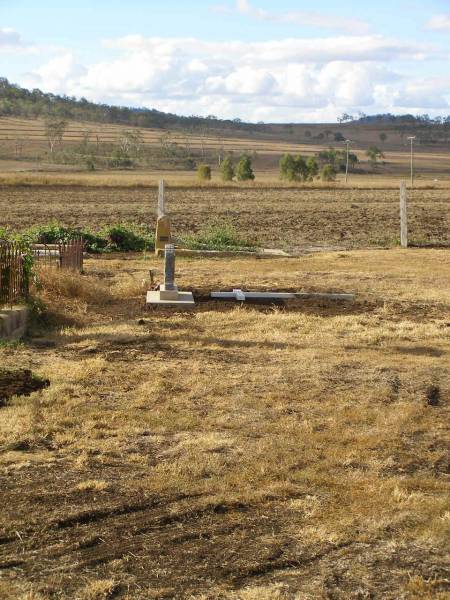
{"x": 163, "y": 235}
{"x": 168, "y": 294}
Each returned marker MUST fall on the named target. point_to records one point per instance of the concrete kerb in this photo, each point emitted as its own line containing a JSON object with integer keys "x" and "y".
{"x": 263, "y": 253}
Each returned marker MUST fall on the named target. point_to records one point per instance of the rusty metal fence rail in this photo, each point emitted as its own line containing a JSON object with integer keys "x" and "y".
{"x": 13, "y": 276}
{"x": 65, "y": 255}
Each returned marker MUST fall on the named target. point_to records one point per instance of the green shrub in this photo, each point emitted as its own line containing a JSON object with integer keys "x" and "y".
{"x": 90, "y": 163}
{"x": 293, "y": 168}
{"x": 244, "y": 171}
{"x": 328, "y": 173}
{"x": 4, "y": 234}
{"x": 312, "y": 168}
{"x": 52, "y": 233}
{"x": 120, "y": 237}
{"x": 204, "y": 172}
{"x": 217, "y": 236}
{"x": 120, "y": 159}
{"x": 227, "y": 169}
{"x": 296, "y": 168}
{"x": 124, "y": 237}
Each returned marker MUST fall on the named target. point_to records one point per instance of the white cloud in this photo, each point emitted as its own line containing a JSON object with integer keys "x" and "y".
{"x": 439, "y": 23}
{"x": 282, "y": 80}
{"x": 303, "y": 18}
{"x": 59, "y": 73}
{"x": 11, "y": 41}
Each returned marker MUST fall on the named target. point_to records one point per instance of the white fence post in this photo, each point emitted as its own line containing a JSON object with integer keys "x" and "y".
{"x": 403, "y": 216}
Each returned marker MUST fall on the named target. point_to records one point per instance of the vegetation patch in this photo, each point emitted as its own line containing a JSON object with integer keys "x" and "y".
{"x": 118, "y": 237}
{"x": 218, "y": 236}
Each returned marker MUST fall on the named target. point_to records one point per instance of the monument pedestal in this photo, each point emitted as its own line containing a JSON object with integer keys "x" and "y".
{"x": 180, "y": 299}
{"x": 168, "y": 294}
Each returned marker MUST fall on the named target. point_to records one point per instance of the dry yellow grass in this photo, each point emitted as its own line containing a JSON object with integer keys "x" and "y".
{"x": 248, "y": 453}
{"x": 266, "y": 178}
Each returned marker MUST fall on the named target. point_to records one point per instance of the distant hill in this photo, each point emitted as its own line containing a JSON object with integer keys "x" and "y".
{"x": 16, "y": 101}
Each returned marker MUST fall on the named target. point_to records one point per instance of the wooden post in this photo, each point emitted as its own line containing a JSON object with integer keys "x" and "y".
{"x": 161, "y": 208}
{"x": 403, "y": 216}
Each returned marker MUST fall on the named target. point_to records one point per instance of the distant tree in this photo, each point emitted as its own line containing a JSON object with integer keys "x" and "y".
{"x": 244, "y": 171}
{"x": 312, "y": 168}
{"x": 308, "y": 133}
{"x": 54, "y": 131}
{"x": 374, "y": 154}
{"x": 120, "y": 159}
{"x": 131, "y": 142}
{"x": 287, "y": 167}
{"x": 293, "y": 168}
{"x": 227, "y": 169}
{"x": 204, "y": 172}
{"x": 338, "y": 137}
{"x": 345, "y": 118}
{"x": 383, "y": 136}
{"x": 337, "y": 159}
{"x": 296, "y": 168}
{"x": 352, "y": 161}
{"x": 89, "y": 162}
{"x": 328, "y": 173}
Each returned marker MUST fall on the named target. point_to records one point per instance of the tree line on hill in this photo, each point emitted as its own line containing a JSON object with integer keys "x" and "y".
{"x": 16, "y": 101}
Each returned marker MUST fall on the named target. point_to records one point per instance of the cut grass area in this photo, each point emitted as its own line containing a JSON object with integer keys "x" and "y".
{"x": 234, "y": 453}
{"x": 266, "y": 179}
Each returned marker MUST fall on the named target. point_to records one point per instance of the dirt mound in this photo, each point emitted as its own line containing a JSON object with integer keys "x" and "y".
{"x": 19, "y": 382}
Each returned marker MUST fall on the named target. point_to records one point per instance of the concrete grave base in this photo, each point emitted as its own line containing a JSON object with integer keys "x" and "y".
{"x": 13, "y": 322}
{"x": 181, "y": 300}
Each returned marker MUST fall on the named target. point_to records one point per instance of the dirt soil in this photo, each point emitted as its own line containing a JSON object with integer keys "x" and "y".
{"x": 245, "y": 453}
{"x": 277, "y": 218}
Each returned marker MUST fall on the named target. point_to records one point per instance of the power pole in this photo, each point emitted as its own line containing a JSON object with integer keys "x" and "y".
{"x": 411, "y": 139}
{"x": 348, "y": 142}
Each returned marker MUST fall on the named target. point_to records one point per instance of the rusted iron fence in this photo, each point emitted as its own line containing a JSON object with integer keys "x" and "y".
{"x": 65, "y": 255}
{"x": 13, "y": 275}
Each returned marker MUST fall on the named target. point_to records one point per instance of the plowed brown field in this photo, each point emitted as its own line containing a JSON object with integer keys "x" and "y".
{"x": 285, "y": 218}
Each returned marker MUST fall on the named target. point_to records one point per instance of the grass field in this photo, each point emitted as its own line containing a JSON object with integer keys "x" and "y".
{"x": 25, "y": 141}
{"x": 294, "y": 452}
{"x": 253, "y": 453}
{"x": 288, "y": 218}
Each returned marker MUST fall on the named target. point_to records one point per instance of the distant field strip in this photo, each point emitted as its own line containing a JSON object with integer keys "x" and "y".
{"x": 30, "y": 135}
{"x": 33, "y": 132}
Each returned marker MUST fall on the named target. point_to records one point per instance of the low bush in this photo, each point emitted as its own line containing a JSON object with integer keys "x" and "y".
{"x": 244, "y": 170}
{"x": 217, "y": 236}
{"x": 227, "y": 170}
{"x": 328, "y": 173}
{"x": 204, "y": 173}
{"x": 128, "y": 237}
{"x": 120, "y": 237}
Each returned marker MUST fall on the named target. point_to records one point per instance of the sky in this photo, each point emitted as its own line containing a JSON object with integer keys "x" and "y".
{"x": 257, "y": 60}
